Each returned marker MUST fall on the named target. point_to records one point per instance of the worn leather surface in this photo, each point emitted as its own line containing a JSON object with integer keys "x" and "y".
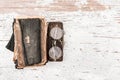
{"x": 31, "y": 31}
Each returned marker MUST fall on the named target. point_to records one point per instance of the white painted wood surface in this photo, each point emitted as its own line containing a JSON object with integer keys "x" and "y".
{"x": 92, "y": 39}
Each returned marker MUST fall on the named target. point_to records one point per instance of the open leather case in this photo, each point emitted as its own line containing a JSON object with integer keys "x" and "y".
{"x": 35, "y": 41}
{"x": 29, "y": 41}
{"x": 55, "y": 41}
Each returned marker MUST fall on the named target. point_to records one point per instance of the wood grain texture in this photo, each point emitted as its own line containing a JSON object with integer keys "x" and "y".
{"x": 92, "y": 39}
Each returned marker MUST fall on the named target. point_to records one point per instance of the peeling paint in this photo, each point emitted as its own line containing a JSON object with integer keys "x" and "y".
{"x": 63, "y": 6}
{"x": 92, "y": 39}
{"x": 93, "y": 5}
{"x": 53, "y": 5}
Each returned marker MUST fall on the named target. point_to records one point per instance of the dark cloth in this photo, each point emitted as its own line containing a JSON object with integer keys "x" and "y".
{"x": 10, "y": 45}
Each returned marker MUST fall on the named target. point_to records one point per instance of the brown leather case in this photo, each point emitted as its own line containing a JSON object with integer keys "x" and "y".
{"x": 55, "y": 41}
{"x": 30, "y": 38}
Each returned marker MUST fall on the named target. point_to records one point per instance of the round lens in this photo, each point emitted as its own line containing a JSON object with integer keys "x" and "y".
{"x": 56, "y": 33}
{"x": 55, "y": 52}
